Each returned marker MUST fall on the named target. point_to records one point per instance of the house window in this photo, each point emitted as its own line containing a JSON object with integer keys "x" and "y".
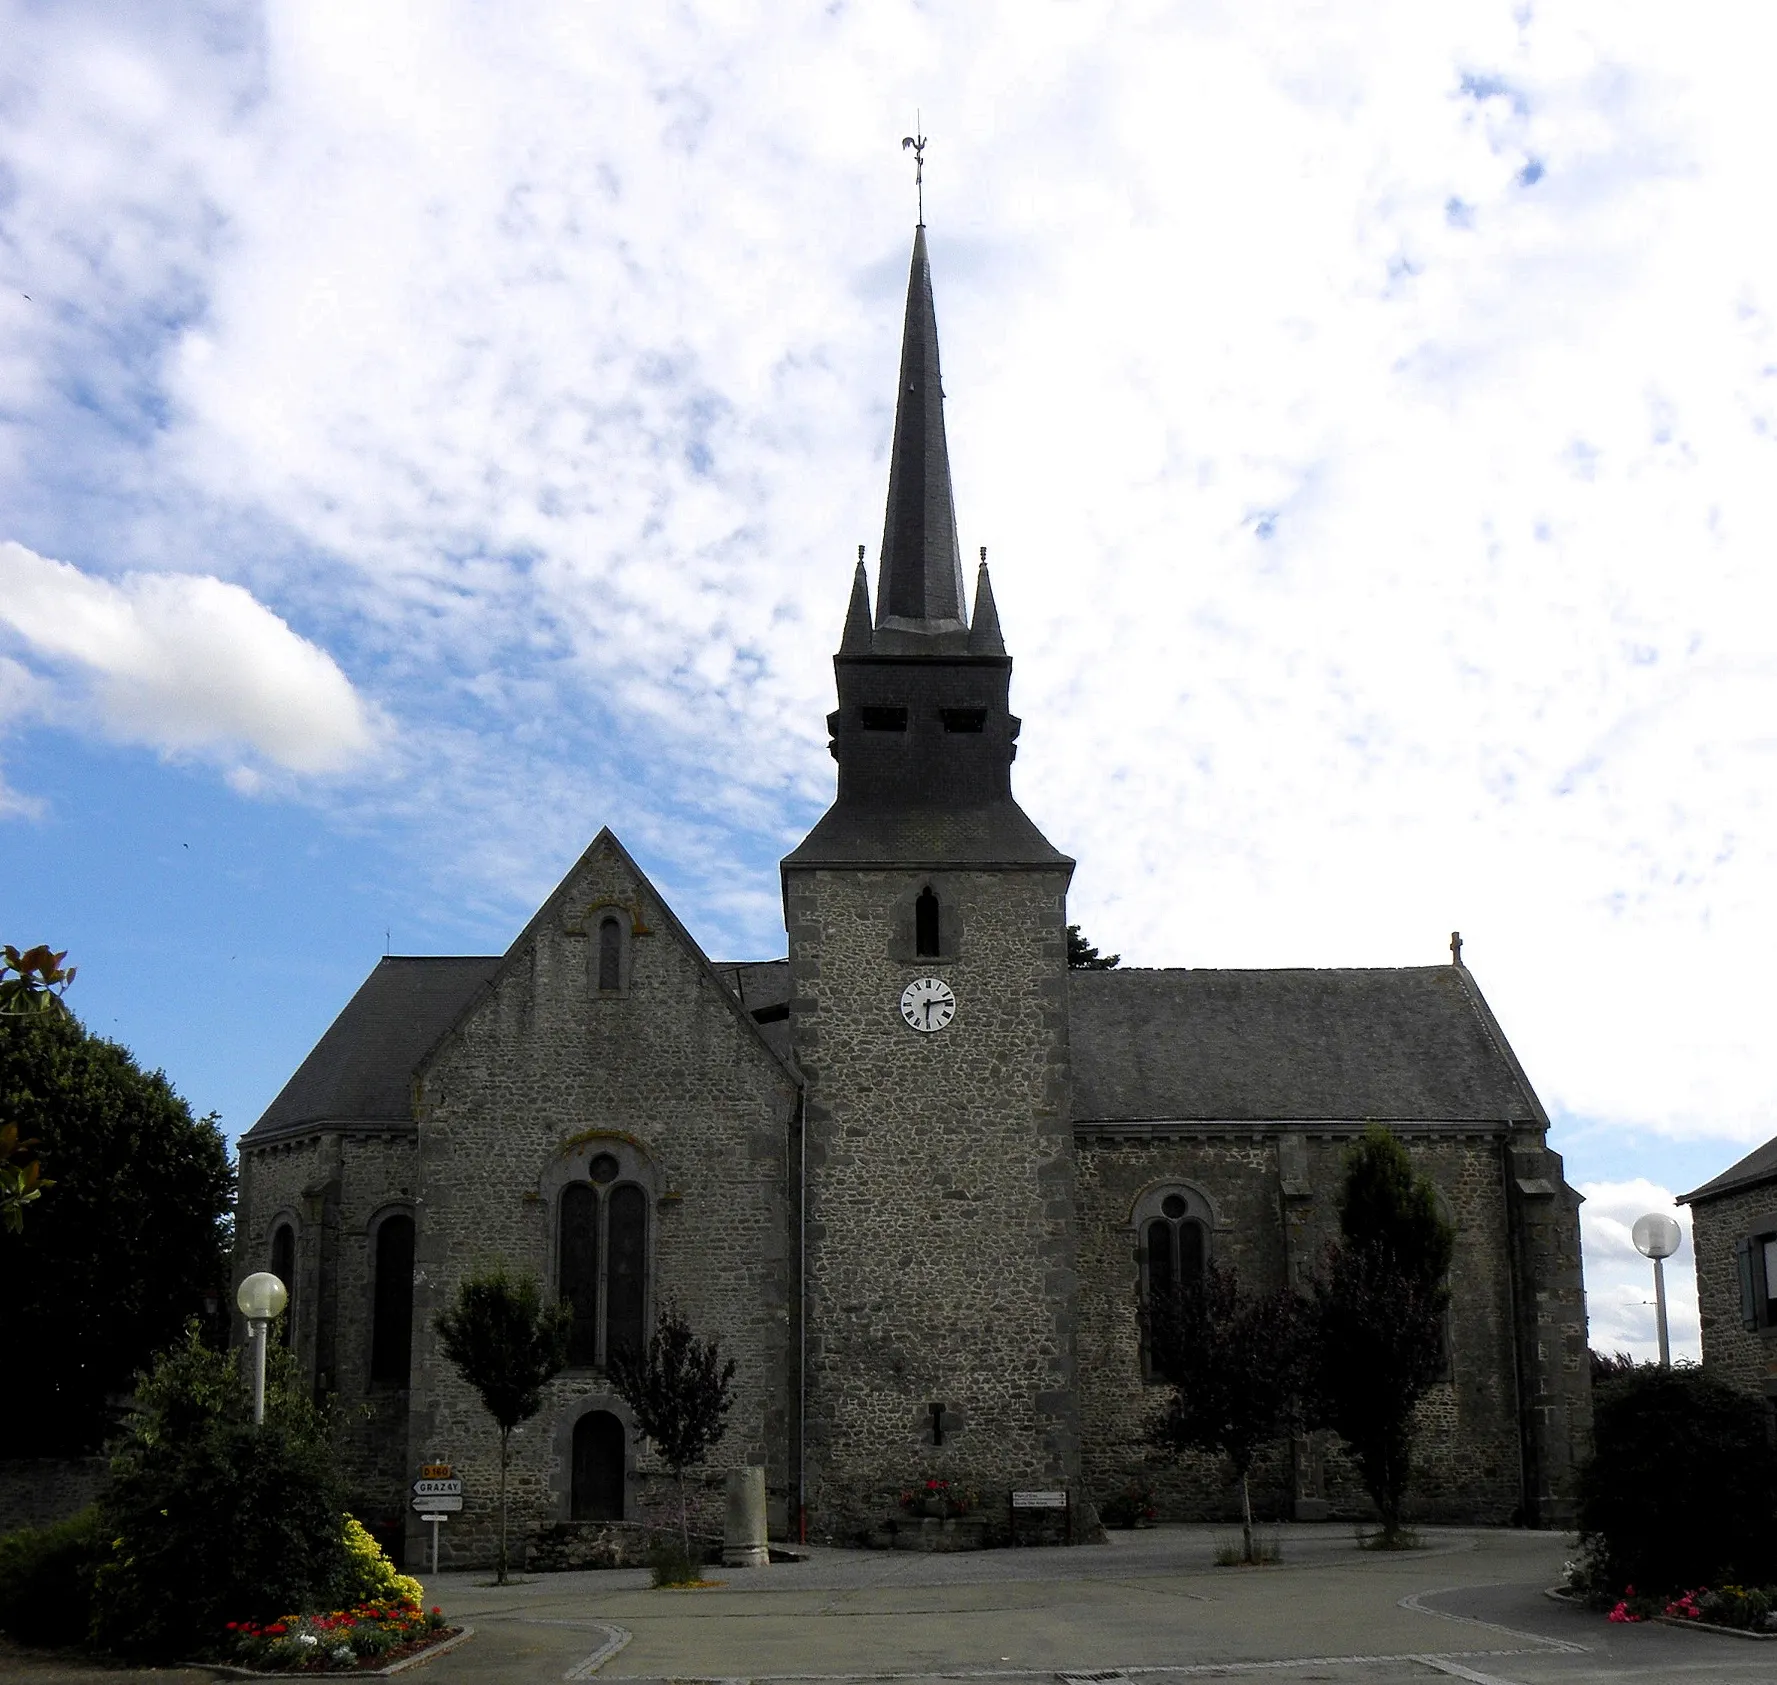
{"x": 925, "y": 925}
{"x": 1756, "y": 1256}
{"x": 283, "y": 1266}
{"x": 602, "y": 1268}
{"x": 598, "y": 1467}
{"x": 391, "y": 1336}
{"x": 610, "y": 956}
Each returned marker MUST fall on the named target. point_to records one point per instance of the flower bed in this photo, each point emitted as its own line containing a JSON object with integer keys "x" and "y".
{"x": 348, "y": 1640}
{"x": 1742, "y": 1608}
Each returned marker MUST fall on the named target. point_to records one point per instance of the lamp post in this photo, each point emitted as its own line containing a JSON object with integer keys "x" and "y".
{"x": 261, "y": 1298}
{"x": 1657, "y": 1236}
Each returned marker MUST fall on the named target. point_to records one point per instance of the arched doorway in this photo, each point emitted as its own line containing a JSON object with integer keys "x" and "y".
{"x": 598, "y": 1467}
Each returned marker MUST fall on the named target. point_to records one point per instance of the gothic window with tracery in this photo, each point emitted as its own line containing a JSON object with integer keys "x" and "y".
{"x": 1172, "y": 1249}
{"x": 602, "y": 1264}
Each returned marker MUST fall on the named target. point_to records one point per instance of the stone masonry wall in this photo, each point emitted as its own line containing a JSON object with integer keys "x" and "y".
{"x": 941, "y": 1239}
{"x": 1743, "y": 1357}
{"x": 338, "y": 1184}
{"x": 543, "y": 1070}
{"x": 1273, "y": 1193}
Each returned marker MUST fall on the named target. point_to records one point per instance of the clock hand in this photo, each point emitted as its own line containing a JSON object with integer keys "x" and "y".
{"x": 928, "y": 1007}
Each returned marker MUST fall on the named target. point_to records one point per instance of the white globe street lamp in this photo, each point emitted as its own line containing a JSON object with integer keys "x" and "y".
{"x": 1657, "y": 1236}
{"x": 261, "y": 1298}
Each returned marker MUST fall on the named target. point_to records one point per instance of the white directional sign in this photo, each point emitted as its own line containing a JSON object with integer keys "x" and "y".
{"x": 437, "y": 1496}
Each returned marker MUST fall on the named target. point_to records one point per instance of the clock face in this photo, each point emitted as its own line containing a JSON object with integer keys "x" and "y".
{"x": 927, "y": 1004}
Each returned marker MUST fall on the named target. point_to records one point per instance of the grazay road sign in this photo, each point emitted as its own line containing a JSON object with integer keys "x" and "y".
{"x": 437, "y": 1497}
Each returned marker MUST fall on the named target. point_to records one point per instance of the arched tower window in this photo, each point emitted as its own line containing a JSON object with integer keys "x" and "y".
{"x": 598, "y": 1467}
{"x": 610, "y": 955}
{"x": 391, "y": 1327}
{"x": 925, "y": 925}
{"x": 283, "y": 1266}
{"x": 602, "y": 1263}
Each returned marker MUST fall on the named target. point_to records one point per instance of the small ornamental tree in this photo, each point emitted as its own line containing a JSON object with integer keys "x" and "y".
{"x": 1378, "y": 1316}
{"x": 680, "y": 1392}
{"x": 508, "y": 1345}
{"x": 1235, "y": 1364}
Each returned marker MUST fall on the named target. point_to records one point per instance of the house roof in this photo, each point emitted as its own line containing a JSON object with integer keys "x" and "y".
{"x": 361, "y": 1070}
{"x": 1411, "y": 1045}
{"x": 1759, "y": 1165}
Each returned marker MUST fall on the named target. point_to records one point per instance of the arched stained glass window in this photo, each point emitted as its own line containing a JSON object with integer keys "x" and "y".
{"x": 391, "y": 1336}
{"x": 610, "y": 956}
{"x": 578, "y": 1280}
{"x": 598, "y": 1467}
{"x": 925, "y": 925}
{"x": 1172, "y": 1229}
{"x": 283, "y": 1266}
{"x": 624, "y": 1325}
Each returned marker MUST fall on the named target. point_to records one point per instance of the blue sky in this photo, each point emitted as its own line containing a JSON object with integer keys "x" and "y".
{"x": 428, "y": 434}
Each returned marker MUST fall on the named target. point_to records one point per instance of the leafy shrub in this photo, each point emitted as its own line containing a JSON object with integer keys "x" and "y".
{"x": 211, "y": 1517}
{"x": 371, "y": 1578}
{"x": 1681, "y": 1485}
{"x": 46, "y": 1586}
{"x": 673, "y": 1564}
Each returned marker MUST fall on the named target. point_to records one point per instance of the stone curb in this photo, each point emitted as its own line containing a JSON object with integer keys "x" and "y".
{"x": 1562, "y": 1595}
{"x": 226, "y": 1670}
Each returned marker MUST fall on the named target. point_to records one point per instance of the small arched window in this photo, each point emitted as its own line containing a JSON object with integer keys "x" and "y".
{"x": 925, "y": 925}
{"x": 602, "y": 1264}
{"x": 610, "y": 955}
{"x": 391, "y": 1328}
{"x": 283, "y": 1266}
{"x": 598, "y": 1467}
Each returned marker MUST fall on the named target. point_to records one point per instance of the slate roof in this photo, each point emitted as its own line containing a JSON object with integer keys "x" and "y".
{"x": 994, "y": 834}
{"x": 1759, "y": 1165}
{"x": 361, "y": 1070}
{"x": 1408, "y": 1045}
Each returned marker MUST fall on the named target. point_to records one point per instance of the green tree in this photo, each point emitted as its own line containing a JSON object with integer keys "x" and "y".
{"x": 1082, "y": 956}
{"x": 1378, "y": 1316}
{"x": 680, "y": 1392}
{"x": 1235, "y": 1365}
{"x": 213, "y": 1519}
{"x": 508, "y": 1345}
{"x": 136, "y": 1237}
{"x": 30, "y": 983}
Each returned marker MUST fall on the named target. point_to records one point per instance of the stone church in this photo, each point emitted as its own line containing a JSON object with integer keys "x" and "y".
{"x": 917, "y": 1176}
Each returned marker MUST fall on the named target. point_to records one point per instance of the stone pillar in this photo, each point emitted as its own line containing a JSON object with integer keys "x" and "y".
{"x": 743, "y": 1532}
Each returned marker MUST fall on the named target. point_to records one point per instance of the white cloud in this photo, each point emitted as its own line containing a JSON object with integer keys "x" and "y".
{"x": 185, "y": 663}
{"x": 1620, "y": 1282}
{"x": 1370, "y": 410}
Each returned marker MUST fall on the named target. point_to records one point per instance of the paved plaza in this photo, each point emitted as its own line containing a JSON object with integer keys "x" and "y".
{"x": 1147, "y": 1608}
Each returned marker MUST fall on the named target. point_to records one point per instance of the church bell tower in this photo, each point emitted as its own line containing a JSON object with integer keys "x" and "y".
{"x": 927, "y": 923}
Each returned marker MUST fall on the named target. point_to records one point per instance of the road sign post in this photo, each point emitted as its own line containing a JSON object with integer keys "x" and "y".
{"x": 437, "y": 1495}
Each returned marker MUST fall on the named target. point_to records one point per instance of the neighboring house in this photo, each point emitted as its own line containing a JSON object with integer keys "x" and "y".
{"x": 917, "y": 1176}
{"x": 1734, "y": 1239}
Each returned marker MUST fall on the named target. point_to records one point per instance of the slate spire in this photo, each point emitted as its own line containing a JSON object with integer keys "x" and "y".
{"x": 984, "y": 630}
{"x": 920, "y": 587}
{"x": 856, "y": 638}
